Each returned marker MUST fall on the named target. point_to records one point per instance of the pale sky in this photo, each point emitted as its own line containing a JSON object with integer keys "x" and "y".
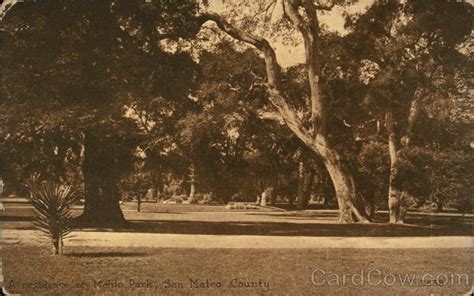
{"x": 286, "y": 55}
{"x": 334, "y": 20}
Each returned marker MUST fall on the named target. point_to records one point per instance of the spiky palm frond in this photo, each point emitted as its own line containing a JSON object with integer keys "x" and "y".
{"x": 52, "y": 204}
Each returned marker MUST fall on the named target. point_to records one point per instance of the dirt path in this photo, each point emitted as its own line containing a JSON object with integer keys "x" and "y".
{"x": 159, "y": 240}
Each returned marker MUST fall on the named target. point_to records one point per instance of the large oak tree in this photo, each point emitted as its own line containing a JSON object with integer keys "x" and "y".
{"x": 409, "y": 55}
{"x": 75, "y": 68}
{"x": 311, "y": 128}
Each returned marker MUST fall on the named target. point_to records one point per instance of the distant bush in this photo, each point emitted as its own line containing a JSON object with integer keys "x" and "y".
{"x": 242, "y": 197}
{"x": 173, "y": 189}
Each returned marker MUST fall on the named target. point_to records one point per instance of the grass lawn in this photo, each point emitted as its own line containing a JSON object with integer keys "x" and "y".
{"x": 207, "y": 219}
{"x": 31, "y": 270}
{"x": 141, "y": 271}
{"x": 177, "y": 208}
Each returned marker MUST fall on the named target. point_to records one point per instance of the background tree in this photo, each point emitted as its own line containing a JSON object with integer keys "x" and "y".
{"x": 223, "y": 137}
{"x": 311, "y": 129}
{"x": 409, "y": 49}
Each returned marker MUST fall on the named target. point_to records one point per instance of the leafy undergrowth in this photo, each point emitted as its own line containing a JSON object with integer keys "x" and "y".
{"x": 142, "y": 271}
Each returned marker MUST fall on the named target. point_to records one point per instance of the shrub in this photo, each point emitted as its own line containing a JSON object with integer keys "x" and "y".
{"x": 52, "y": 204}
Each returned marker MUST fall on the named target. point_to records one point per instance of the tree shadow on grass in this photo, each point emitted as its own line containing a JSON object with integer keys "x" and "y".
{"x": 293, "y": 229}
{"x": 16, "y": 218}
{"x": 151, "y": 211}
{"x": 412, "y": 219}
{"x": 105, "y": 254}
{"x": 293, "y": 224}
{"x": 297, "y": 215}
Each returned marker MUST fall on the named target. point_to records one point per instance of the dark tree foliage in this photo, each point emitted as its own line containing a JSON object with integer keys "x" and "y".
{"x": 409, "y": 59}
{"x": 74, "y": 68}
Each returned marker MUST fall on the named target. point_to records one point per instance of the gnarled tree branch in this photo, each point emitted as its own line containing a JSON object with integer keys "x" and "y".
{"x": 415, "y": 108}
{"x": 273, "y": 70}
{"x": 309, "y": 29}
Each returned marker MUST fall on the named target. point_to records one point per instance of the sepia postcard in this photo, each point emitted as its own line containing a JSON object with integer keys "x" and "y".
{"x": 236, "y": 147}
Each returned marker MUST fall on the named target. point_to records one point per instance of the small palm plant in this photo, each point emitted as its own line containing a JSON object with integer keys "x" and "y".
{"x": 52, "y": 203}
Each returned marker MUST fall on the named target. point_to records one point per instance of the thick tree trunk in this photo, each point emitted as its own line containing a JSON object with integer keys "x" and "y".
{"x": 102, "y": 196}
{"x": 343, "y": 185}
{"x": 394, "y": 202}
{"x": 340, "y": 175}
{"x": 159, "y": 190}
{"x": 58, "y": 246}
{"x": 394, "y": 194}
{"x": 192, "y": 190}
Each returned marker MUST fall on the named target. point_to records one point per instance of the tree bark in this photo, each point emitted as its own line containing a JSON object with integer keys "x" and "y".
{"x": 102, "y": 196}
{"x": 309, "y": 180}
{"x": 344, "y": 187}
{"x": 301, "y": 173}
{"x": 273, "y": 197}
{"x": 192, "y": 180}
{"x": 304, "y": 187}
{"x": 341, "y": 177}
{"x": 394, "y": 194}
{"x": 291, "y": 200}
{"x": 139, "y": 202}
{"x": 263, "y": 199}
